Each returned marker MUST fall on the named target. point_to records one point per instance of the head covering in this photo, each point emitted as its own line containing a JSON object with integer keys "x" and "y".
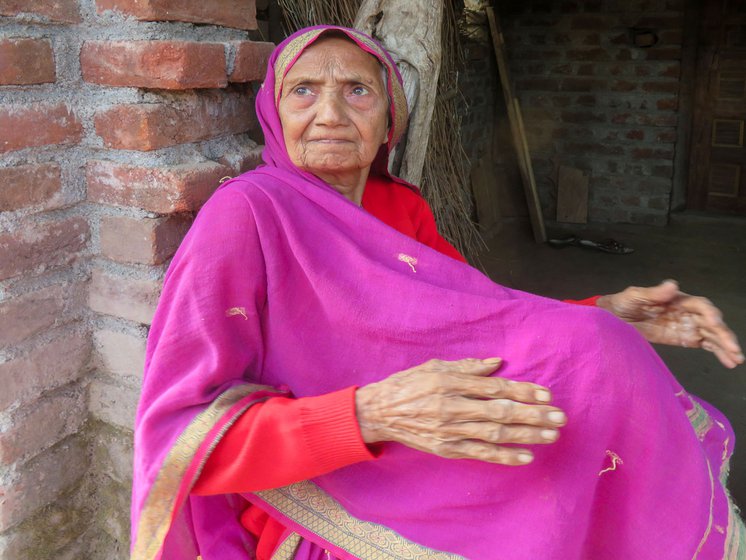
{"x": 283, "y": 58}
{"x": 283, "y": 285}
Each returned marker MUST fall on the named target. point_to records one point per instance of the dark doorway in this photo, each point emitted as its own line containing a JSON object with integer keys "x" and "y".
{"x": 717, "y": 176}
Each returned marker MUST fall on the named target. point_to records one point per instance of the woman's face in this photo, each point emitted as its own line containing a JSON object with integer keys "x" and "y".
{"x": 334, "y": 110}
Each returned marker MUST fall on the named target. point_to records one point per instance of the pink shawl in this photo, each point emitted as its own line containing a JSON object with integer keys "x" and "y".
{"x": 283, "y": 285}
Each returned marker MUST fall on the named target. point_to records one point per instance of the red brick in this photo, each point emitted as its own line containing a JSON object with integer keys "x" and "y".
{"x": 129, "y": 298}
{"x": 651, "y": 153}
{"x": 612, "y": 135}
{"x": 537, "y": 84}
{"x": 582, "y": 117}
{"x": 41, "y": 424}
{"x": 251, "y": 61}
{"x": 581, "y": 84}
{"x": 592, "y": 39}
{"x": 644, "y": 119}
{"x": 113, "y": 404}
{"x": 39, "y": 248}
{"x": 671, "y": 71}
{"x": 26, "y": 61}
{"x": 642, "y": 71}
{"x": 663, "y": 171}
{"x": 62, "y": 11}
{"x": 623, "y": 85}
{"x": 37, "y": 125}
{"x": 666, "y": 137}
{"x": 594, "y": 148}
{"x": 658, "y": 203}
{"x": 154, "y": 64}
{"x": 247, "y": 156}
{"x": 531, "y": 54}
{"x": 673, "y": 37}
{"x": 586, "y": 100}
{"x": 658, "y": 53}
{"x": 668, "y": 104}
{"x": 623, "y": 54}
{"x": 151, "y": 126}
{"x": 120, "y": 355}
{"x": 142, "y": 240}
{"x": 591, "y": 23}
{"x": 240, "y": 14}
{"x": 588, "y": 54}
{"x": 42, "y": 480}
{"x": 661, "y": 87}
{"x": 29, "y": 185}
{"x": 47, "y": 366}
{"x": 635, "y": 135}
{"x": 23, "y": 317}
{"x": 660, "y": 21}
{"x": 631, "y": 201}
{"x": 164, "y": 190}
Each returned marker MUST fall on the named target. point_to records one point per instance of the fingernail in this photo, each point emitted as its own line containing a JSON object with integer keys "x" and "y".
{"x": 549, "y": 435}
{"x": 542, "y": 395}
{"x": 492, "y": 361}
{"x": 557, "y": 417}
{"x": 525, "y": 458}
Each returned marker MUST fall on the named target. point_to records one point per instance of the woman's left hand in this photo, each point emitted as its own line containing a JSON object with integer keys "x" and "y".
{"x": 665, "y": 315}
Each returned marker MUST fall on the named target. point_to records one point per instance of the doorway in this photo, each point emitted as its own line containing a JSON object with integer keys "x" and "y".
{"x": 717, "y": 168}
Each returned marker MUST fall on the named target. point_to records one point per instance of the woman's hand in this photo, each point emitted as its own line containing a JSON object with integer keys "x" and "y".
{"x": 665, "y": 315}
{"x": 454, "y": 410}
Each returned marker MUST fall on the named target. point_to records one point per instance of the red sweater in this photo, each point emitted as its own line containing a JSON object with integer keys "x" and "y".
{"x": 285, "y": 440}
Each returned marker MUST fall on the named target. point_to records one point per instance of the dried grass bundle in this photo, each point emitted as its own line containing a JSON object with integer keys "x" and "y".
{"x": 304, "y": 13}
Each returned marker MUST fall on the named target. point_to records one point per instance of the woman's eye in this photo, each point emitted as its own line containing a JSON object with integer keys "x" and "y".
{"x": 302, "y": 90}
{"x": 359, "y": 90}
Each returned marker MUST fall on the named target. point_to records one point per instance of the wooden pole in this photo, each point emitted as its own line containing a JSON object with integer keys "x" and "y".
{"x": 517, "y": 131}
{"x": 410, "y": 31}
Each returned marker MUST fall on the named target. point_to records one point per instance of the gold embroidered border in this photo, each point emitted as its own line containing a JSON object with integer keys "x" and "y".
{"x": 156, "y": 515}
{"x": 399, "y": 101}
{"x": 700, "y": 420}
{"x": 710, "y": 518}
{"x": 286, "y": 550}
{"x": 735, "y": 540}
{"x": 309, "y": 506}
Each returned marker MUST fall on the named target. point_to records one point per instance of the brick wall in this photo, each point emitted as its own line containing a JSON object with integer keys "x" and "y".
{"x": 593, "y": 100}
{"x": 119, "y": 118}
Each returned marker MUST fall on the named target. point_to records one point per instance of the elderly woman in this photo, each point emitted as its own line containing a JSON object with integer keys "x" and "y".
{"x": 292, "y": 406}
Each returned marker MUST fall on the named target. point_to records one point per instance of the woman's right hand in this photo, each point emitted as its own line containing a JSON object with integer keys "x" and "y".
{"x": 453, "y": 409}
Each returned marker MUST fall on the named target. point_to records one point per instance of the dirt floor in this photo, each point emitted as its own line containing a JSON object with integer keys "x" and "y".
{"x": 706, "y": 254}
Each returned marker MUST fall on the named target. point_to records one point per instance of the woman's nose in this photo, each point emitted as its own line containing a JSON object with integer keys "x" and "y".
{"x": 331, "y": 110}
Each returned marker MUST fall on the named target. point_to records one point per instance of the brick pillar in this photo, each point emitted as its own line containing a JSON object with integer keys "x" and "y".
{"x": 118, "y": 119}
{"x": 44, "y": 248}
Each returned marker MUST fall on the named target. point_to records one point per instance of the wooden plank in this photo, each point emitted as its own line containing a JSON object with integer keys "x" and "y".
{"x": 532, "y": 194}
{"x": 484, "y": 188}
{"x": 517, "y": 131}
{"x": 572, "y": 196}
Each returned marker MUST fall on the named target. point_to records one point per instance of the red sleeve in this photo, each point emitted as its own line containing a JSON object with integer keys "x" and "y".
{"x": 591, "y": 301}
{"x": 427, "y": 233}
{"x": 284, "y": 440}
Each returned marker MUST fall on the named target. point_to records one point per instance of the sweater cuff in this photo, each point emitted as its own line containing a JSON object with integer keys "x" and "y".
{"x": 591, "y": 301}
{"x": 331, "y": 430}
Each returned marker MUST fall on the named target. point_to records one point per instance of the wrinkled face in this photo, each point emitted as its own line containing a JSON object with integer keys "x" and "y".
{"x": 334, "y": 109}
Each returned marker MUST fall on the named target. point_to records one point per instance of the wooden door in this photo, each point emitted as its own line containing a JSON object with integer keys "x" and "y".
{"x": 717, "y": 177}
